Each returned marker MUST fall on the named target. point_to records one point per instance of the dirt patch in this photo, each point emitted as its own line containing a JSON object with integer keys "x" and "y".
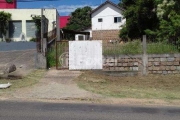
{"x": 56, "y": 85}
{"x": 150, "y": 87}
{"x": 20, "y": 82}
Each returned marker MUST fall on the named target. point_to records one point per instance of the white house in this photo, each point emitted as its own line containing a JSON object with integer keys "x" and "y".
{"x": 22, "y": 24}
{"x": 107, "y": 20}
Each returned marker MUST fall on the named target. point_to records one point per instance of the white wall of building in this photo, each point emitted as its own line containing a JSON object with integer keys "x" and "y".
{"x": 25, "y": 14}
{"x": 107, "y": 13}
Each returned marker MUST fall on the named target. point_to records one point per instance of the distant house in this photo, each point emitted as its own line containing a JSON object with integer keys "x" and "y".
{"x": 8, "y": 5}
{"x": 107, "y": 20}
{"x": 63, "y": 20}
{"x": 85, "y": 36}
{"x": 22, "y": 27}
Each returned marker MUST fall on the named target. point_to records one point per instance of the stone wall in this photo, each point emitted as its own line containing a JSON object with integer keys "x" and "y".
{"x": 105, "y": 35}
{"x": 164, "y": 64}
{"x": 156, "y": 64}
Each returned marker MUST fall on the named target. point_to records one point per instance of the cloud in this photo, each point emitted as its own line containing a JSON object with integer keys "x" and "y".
{"x": 67, "y": 9}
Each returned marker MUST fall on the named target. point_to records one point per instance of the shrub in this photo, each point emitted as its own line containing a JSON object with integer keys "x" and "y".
{"x": 33, "y": 40}
{"x": 51, "y": 57}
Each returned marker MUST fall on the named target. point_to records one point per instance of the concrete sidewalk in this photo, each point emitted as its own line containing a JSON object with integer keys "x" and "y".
{"x": 56, "y": 84}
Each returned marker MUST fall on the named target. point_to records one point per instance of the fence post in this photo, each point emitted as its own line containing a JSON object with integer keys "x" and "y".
{"x": 57, "y": 27}
{"x": 145, "y": 57}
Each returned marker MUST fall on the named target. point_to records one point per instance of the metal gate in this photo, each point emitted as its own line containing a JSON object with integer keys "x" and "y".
{"x": 62, "y": 55}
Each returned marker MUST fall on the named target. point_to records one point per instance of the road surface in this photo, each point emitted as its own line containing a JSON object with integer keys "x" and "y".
{"x": 64, "y": 111}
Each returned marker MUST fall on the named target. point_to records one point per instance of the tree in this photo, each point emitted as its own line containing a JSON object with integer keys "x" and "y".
{"x": 80, "y": 19}
{"x": 37, "y": 21}
{"x": 4, "y": 19}
{"x": 140, "y": 16}
{"x": 168, "y": 13}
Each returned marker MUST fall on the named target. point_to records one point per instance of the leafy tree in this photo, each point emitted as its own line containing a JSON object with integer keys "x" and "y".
{"x": 140, "y": 16}
{"x": 37, "y": 21}
{"x": 168, "y": 13}
{"x": 80, "y": 19}
{"x": 4, "y": 19}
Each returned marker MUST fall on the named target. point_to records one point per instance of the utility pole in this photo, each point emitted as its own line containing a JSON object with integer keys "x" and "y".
{"x": 42, "y": 25}
{"x": 57, "y": 26}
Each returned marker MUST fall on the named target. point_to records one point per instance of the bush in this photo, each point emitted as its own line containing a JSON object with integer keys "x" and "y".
{"x": 51, "y": 57}
{"x": 33, "y": 40}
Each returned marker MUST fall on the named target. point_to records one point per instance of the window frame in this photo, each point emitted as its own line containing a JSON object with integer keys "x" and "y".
{"x": 100, "y": 20}
{"x": 27, "y": 34}
{"x": 117, "y": 19}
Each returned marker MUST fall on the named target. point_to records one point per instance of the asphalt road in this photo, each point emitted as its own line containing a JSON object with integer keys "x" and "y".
{"x": 14, "y": 46}
{"x": 62, "y": 111}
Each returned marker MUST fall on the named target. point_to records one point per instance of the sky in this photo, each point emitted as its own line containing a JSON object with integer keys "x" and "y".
{"x": 64, "y": 7}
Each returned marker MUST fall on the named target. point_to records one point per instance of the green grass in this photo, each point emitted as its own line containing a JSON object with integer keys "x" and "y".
{"x": 161, "y": 48}
{"x": 29, "y": 80}
{"x": 51, "y": 57}
{"x": 51, "y": 54}
{"x": 149, "y": 87}
{"x": 135, "y": 47}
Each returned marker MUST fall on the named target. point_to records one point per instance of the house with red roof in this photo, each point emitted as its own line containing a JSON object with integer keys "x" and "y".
{"x": 63, "y": 20}
{"x": 8, "y": 4}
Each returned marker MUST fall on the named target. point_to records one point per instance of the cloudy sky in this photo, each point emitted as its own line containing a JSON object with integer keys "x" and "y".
{"x": 65, "y": 7}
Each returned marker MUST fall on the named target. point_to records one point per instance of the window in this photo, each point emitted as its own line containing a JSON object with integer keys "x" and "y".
{"x": 15, "y": 29}
{"x": 30, "y": 29}
{"x": 100, "y": 20}
{"x": 117, "y": 19}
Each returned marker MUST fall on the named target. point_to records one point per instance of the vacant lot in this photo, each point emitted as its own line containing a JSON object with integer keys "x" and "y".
{"x": 18, "y": 82}
{"x": 149, "y": 87}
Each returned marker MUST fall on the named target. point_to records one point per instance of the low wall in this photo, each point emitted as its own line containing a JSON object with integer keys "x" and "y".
{"x": 155, "y": 64}
{"x": 122, "y": 63}
{"x": 164, "y": 64}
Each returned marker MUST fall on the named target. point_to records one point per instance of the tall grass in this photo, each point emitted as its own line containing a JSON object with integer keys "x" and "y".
{"x": 135, "y": 47}
{"x": 161, "y": 48}
{"x": 51, "y": 54}
{"x": 51, "y": 57}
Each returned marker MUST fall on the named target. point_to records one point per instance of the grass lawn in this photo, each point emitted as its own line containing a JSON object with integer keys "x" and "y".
{"x": 29, "y": 80}
{"x": 150, "y": 87}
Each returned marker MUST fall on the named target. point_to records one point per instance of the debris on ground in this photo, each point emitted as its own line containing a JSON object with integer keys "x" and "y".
{"x": 4, "y": 86}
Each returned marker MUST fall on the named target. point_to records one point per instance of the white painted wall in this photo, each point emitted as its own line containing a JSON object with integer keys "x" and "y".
{"x": 25, "y": 14}
{"x": 85, "y": 55}
{"x": 107, "y": 13}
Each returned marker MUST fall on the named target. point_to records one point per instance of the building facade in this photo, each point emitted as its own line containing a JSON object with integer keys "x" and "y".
{"x": 107, "y": 20}
{"x": 22, "y": 24}
{"x": 8, "y": 4}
